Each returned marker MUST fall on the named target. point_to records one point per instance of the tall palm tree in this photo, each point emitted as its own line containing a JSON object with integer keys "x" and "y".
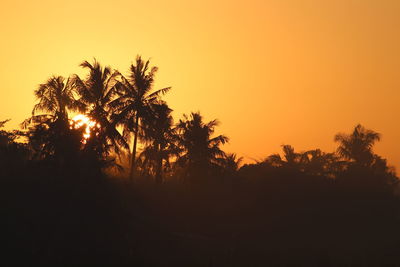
{"x": 159, "y": 136}
{"x": 357, "y": 146}
{"x": 135, "y": 99}
{"x": 200, "y": 150}
{"x": 96, "y": 93}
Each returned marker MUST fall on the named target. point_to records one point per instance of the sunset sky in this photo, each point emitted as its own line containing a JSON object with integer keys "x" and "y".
{"x": 273, "y": 72}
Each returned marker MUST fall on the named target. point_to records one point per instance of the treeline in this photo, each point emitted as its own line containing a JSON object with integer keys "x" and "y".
{"x": 127, "y": 109}
{"x": 190, "y": 202}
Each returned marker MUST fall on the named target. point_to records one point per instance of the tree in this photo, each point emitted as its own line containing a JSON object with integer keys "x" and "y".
{"x": 135, "y": 100}
{"x": 12, "y": 154}
{"x": 290, "y": 159}
{"x": 357, "y": 146}
{"x": 96, "y": 93}
{"x": 56, "y": 97}
{"x": 314, "y": 162}
{"x": 5, "y": 137}
{"x": 317, "y": 162}
{"x": 364, "y": 170}
{"x": 159, "y": 136}
{"x": 200, "y": 150}
{"x": 230, "y": 163}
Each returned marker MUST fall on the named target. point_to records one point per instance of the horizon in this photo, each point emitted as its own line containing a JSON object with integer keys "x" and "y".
{"x": 317, "y": 68}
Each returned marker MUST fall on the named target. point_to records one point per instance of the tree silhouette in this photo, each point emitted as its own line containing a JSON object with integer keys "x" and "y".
{"x": 159, "y": 136}
{"x": 134, "y": 101}
{"x": 357, "y": 146}
{"x": 5, "y": 137}
{"x": 314, "y": 162}
{"x": 290, "y": 160}
{"x": 230, "y": 163}
{"x": 96, "y": 93}
{"x": 13, "y": 155}
{"x": 200, "y": 150}
{"x": 51, "y": 128}
{"x": 8, "y": 138}
{"x": 317, "y": 162}
{"x": 55, "y": 97}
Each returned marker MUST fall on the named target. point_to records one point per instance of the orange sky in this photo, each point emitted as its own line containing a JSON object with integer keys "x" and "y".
{"x": 273, "y": 72}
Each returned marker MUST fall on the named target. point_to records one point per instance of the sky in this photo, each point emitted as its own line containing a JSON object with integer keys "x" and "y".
{"x": 273, "y": 72}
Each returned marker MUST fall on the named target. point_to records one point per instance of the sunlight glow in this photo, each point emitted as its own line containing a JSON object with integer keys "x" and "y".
{"x": 81, "y": 120}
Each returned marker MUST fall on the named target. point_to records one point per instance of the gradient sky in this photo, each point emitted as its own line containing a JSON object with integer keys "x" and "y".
{"x": 273, "y": 72}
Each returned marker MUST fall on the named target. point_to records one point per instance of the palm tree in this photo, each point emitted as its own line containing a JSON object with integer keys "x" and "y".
{"x": 159, "y": 136}
{"x": 291, "y": 159}
{"x": 56, "y": 97}
{"x": 316, "y": 162}
{"x": 200, "y": 150}
{"x": 96, "y": 93}
{"x": 274, "y": 160}
{"x": 230, "y": 163}
{"x": 357, "y": 146}
{"x": 135, "y": 100}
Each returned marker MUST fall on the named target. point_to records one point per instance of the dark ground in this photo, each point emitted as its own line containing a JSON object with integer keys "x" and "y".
{"x": 64, "y": 220}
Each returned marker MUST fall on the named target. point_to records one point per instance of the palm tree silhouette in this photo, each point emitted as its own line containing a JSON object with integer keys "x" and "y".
{"x": 134, "y": 101}
{"x": 314, "y": 162}
{"x": 56, "y": 98}
{"x": 291, "y": 159}
{"x": 159, "y": 136}
{"x": 200, "y": 150}
{"x": 231, "y": 162}
{"x": 357, "y": 146}
{"x": 96, "y": 93}
{"x": 317, "y": 162}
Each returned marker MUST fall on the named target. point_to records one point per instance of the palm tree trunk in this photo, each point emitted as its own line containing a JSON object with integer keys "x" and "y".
{"x": 133, "y": 161}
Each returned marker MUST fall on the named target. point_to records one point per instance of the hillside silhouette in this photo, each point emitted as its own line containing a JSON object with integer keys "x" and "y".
{"x": 144, "y": 189}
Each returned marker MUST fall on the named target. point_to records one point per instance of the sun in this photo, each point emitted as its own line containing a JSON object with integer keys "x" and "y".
{"x": 80, "y": 120}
